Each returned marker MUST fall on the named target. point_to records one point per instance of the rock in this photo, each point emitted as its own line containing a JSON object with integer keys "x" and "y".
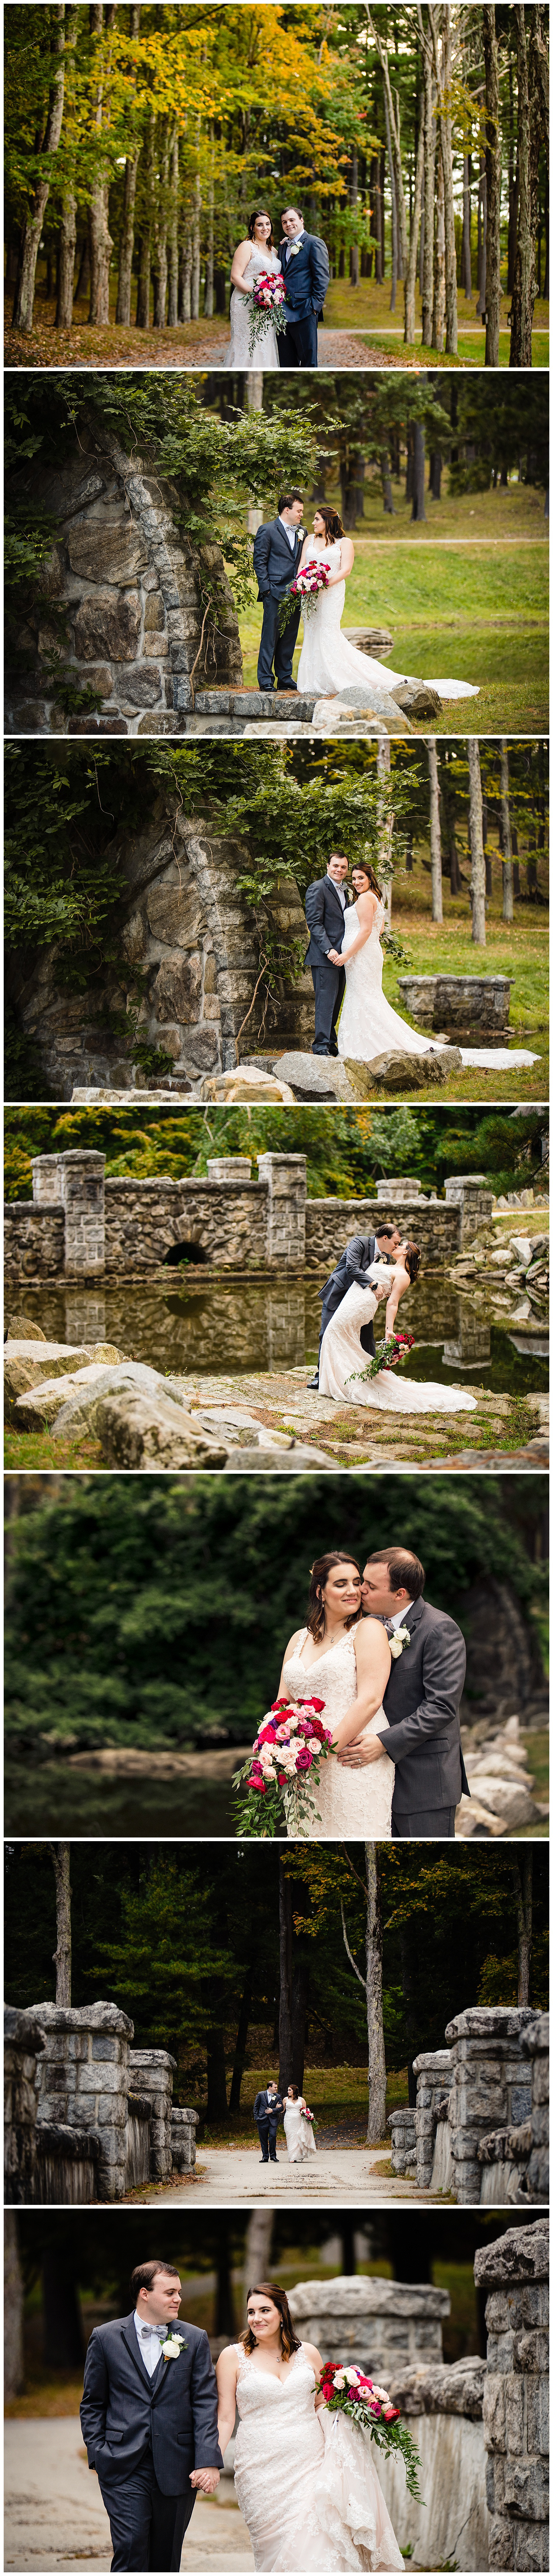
{"x": 397, "y": 1070}
{"x": 24, "y": 1371}
{"x": 246, "y": 1085}
{"x": 154, "y": 614}
{"x": 416, "y": 699}
{"x": 312, "y": 1077}
{"x": 174, "y": 913}
{"x": 176, "y": 992}
{"x": 96, "y": 676}
{"x": 241, "y": 1430}
{"x": 76, "y": 1396}
{"x": 139, "y": 1431}
{"x": 441, "y": 2388}
{"x": 103, "y": 553}
{"x": 375, "y": 640}
{"x": 504, "y": 1805}
{"x": 23, "y": 1328}
{"x": 107, "y": 625}
{"x": 142, "y": 687}
{"x": 365, "y": 709}
{"x": 299, "y": 1459}
{"x": 521, "y": 1243}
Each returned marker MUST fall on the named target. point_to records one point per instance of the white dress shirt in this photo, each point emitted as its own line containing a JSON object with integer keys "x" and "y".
{"x": 398, "y": 1617}
{"x": 290, "y": 246}
{"x": 150, "y": 2339}
{"x": 290, "y": 533}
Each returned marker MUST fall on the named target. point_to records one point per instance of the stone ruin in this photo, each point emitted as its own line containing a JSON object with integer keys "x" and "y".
{"x": 87, "y": 2118}
{"x": 479, "y": 2131}
{"x": 514, "y": 2273}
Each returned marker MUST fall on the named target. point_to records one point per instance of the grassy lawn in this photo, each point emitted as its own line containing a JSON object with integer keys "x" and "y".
{"x": 366, "y": 307}
{"x": 519, "y": 949}
{"x": 536, "y": 1746}
{"x": 474, "y": 607}
{"x": 337, "y": 2096}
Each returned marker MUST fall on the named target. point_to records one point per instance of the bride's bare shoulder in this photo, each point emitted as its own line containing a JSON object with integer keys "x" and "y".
{"x": 312, "y": 2355}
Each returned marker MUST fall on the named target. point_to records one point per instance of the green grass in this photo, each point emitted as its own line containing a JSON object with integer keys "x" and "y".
{"x": 366, "y": 308}
{"x": 536, "y": 1746}
{"x": 39, "y": 1449}
{"x": 519, "y": 949}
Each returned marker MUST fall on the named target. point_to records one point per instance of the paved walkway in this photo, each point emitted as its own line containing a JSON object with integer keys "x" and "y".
{"x": 340, "y": 2174}
{"x": 54, "y": 2516}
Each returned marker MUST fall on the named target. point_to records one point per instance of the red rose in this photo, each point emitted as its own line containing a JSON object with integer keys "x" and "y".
{"x": 304, "y": 1760}
{"x": 313, "y": 1703}
{"x": 327, "y": 2388}
{"x": 282, "y": 1779}
{"x": 391, "y": 2414}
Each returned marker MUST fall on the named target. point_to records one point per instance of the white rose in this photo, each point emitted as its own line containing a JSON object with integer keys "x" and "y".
{"x": 352, "y": 2377}
{"x": 171, "y": 2348}
{"x": 339, "y": 2379}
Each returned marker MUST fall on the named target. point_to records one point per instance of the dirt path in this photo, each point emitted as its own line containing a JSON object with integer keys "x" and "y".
{"x": 236, "y": 2174}
{"x": 192, "y": 346}
{"x": 54, "y": 2516}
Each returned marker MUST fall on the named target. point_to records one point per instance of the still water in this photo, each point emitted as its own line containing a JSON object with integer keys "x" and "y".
{"x": 226, "y": 1330}
{"x": 53, "y": 1800}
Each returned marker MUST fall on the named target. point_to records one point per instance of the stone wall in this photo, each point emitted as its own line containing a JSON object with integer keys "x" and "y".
{"x": 515, "y": 2161}
{"x": 513, "y": 2272}
{"x": 78, "y": 1226}
{"x": 132, "y": 590}
{"x": 153, "y": 2069}
{"x": 491, "y": 2084}
{"x": 139, "y": 2124}
{"x": 23, "y": 2045}
{"x": 443, "y": 2406}
{"x": 189, "y": 958}
{"x": 401, "y": 2124}
{"x": 183, "y": 2139}
{"x": 386, "y": 2325}
{"x": 434, "y": 2073}
{"x": 475, "y": 1005}
{"x": 83, "y": 2080}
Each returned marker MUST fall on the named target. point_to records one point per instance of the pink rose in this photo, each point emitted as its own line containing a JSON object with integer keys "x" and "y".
{"x": 304, "y": 1760}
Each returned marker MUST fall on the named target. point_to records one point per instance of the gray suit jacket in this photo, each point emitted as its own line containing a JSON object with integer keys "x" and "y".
{"x": 124, "y": 2412}
{"x": 421, "y": 1703}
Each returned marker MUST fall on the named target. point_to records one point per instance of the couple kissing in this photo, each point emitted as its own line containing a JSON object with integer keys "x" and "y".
{"x": 389, "y": 1670}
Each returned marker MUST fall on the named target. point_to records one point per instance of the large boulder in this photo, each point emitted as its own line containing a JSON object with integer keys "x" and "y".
{"x": 72, "y": 1405}
{"x": 25, "y": 1370}
{"x": 397, "y": 1070}
{"x": 416, "y": 698}
{"x": 363, "y": 710}
{"x": 140, "y": 1431}
{"x": 246, "y": 1085}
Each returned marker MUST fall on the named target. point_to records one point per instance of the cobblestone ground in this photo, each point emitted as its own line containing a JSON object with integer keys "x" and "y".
{"x": 282, "y": 1401}
{"x": 54, "y": 2516}
{"x": 234, "y": 2174}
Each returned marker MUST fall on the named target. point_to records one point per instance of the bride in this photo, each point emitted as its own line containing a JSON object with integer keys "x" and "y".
{"x": 327, "y": 662}
{"x": 304, "y": 2478}
{"x": 341, "y": 1356}
{"x": 367, "y": 1022}
{"x": 251, "y": 258}
{"x": 346, "y": 1660}
{"x": 299, "y": 2134}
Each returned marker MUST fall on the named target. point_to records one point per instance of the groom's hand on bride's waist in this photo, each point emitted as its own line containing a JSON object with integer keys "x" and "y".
{"x": 205, "y": 2479}
{"x": 355, "y": 1754}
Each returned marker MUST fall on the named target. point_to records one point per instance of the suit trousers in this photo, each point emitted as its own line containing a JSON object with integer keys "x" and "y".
{"x": 299, "y": 343}
{"x": 329, "y": 984}
{"x": 424, "y": 1824}
{"x": 275, "y": 648}
{"x": 147, "y": 2528}
{"x": 267, "y": 2140}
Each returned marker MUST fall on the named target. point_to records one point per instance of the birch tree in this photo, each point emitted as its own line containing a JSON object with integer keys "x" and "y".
{"x": 442, "y": 67}
{"x": 427, "y": 287}
{"x": 372, "y": 1984}
{"x": 59, "y": 1854}
{"x": 435, "y": 834}
{"x": 522, "y": 1883}
{"x": 493, "y": 187}
{"x": 100, "y": 242}
{"x": 478, "y": 868}
{"x": 22, "y": 316}
{"x": 506, "y": 842}
{"x": 124, "y": 281}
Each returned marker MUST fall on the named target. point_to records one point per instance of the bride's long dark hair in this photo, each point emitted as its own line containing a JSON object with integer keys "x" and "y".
{"x": 412, "y": 1261}
{"x": 319, "y": 1576}
{"x": 333, "y": 523}
{"x": 254, "y": 219}
{"x": 289, "y": 2340}
{"x": 360, "y": 869}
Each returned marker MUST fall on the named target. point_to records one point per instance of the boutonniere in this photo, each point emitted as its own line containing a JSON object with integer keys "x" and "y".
{"x": 400, "y": 1637}
{"x": 174, "y": 2344}
{"x": 294, "y": 249}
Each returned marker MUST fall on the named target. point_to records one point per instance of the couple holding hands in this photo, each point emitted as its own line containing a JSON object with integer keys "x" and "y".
{"x": 270, "y": 2106}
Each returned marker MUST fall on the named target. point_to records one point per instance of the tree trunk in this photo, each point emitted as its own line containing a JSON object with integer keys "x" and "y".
{"x": 506, "y": 836}
{"x": 393, "y": 207}
{"x": 429, "y": 182}
{"x": 14, "y": 2367}
{"x": 60, "y": 1854}
{"x": 493, "y": 188}
{"x": 208, "y": 290}
{"x": 522, "y": 301}
{"x": 145, "y": 253}
{"x": 241, "y": 2041}
{"x": 173, "y": 239}
{"x": 185, "y": 280}
{"x": 409, "y": 332}
{"x": 99, "y": 237}
{"x": 216, "y": 2075}
{"x": 418, "y": 510}
{"x": 438, "y": 310}
{"x": 435, "y": 476}
{"x": 478, "y": 872}
{"x": 408, "y": 1956}
{"x": 257, "y": 2250}
{"x": 160, "y": 240}
{"x": 482, "y": 237}
{"x": 66, "y": 268}
{"x": 124, "y": 281}
{"x": 435, "y": 838}
{"x": 466, "y": 263}
{"x": 83, "y": 279}
{"x": 376, "y": 2124}
{"x": 63, "y": 2333}
{"x": 522, "y": 1883}
{"x": 294, "y": 1980}
{"x": 382, "y": 51}
{"x": 195, "y": 279}
{"x": 443, "y": 79}
{"x": 387, "y": 495}
{"x": 354, "y": 200}
{"x": 22, "y": 316}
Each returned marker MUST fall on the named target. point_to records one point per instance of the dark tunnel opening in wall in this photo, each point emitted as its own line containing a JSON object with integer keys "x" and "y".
{"x": 183, "y": 1252}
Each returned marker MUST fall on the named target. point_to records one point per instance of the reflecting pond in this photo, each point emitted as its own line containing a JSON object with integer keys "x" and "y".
{"x": 54, "y": 1800}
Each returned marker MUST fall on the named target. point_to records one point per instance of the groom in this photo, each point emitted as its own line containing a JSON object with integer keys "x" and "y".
{"x": 268, "y": 2108}
{"x": 306, "y": 270}
{"x": 421, "y": 1700}
{"x": 276, "y": 553}
{"x": 325, "y": 911}
{"x": 354, "y": 1264}
{"x": 150, "y": 2421}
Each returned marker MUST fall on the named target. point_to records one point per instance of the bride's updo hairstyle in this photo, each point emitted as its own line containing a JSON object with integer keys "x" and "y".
{"x": 254, "y": 219}
{"x": 289, "y": 2340}
{"x": 332, "y": 523}
{"x": 293, "y": 2093}
{"x": 319, "y": 1577}
{"x": 359, "y": 869}
{"x": 412, "y": 1261}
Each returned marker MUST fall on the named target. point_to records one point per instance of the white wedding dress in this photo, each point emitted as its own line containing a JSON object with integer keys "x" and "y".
{"x": 299, "y": 2134}
{"x": 367, "y": 1022}
{"x": 305, "y": 2482}
{"x": 341, "y": 1356}
{"x": 328, "y": 663}
{"x": 266, "y": 349}
{"x": 351, "y": 1804}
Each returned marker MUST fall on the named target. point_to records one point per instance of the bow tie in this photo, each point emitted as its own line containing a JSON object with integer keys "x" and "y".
{"x": 148, "y": 2332}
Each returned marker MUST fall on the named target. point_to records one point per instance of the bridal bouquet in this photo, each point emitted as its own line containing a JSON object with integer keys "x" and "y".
{"x": 387, "y": 1357}
{"x": 275, "y": 1785}
{"x": 307, "y": 587}
{"x": 349, "y": 2392}
{"x": 268, "y": 299}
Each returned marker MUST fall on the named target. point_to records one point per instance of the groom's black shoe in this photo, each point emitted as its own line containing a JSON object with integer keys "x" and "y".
{"x": 283, "y": 687}
{"x": 313, "y": 1384}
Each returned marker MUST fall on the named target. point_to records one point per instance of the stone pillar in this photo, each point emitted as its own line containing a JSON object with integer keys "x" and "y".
{"x": 536, "y": 2181}
{"x": 23, "y": 2044}
{"x": 384, "y": 2324}
{"x": 83, "y": 2080}
{"x": 469, "y": 1192}
{"x": 285, "y": 1178}
{"x": 183, "y": 2139}
{"x": 491, "y": 2085}
{"x": 515, "y": 2162}
{"x": 139, "y": 2125}
{"x": 47, "y": 1182}
{"x": 401, "y": 2124}
{"x": 434, "y": 2073}
{"x": 514, "y": 2274}
{"x": 152, "y": 2071}
{"x": 407, "y": 1188}
{"x": 224, "y": 1168}
{"x": 75, "y": 1181}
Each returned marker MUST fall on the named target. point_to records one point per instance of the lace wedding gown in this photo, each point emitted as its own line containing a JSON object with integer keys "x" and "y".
{"x": 341, "y": 1355}
{"x": 367, "y": 1022}
{"x": 299, "y": 2135}
{"x": 266, "y": 349}
{"x": 352, "y": 1804}
{"x": 328, "y": 663}
{"x": 305, "y": 2482}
